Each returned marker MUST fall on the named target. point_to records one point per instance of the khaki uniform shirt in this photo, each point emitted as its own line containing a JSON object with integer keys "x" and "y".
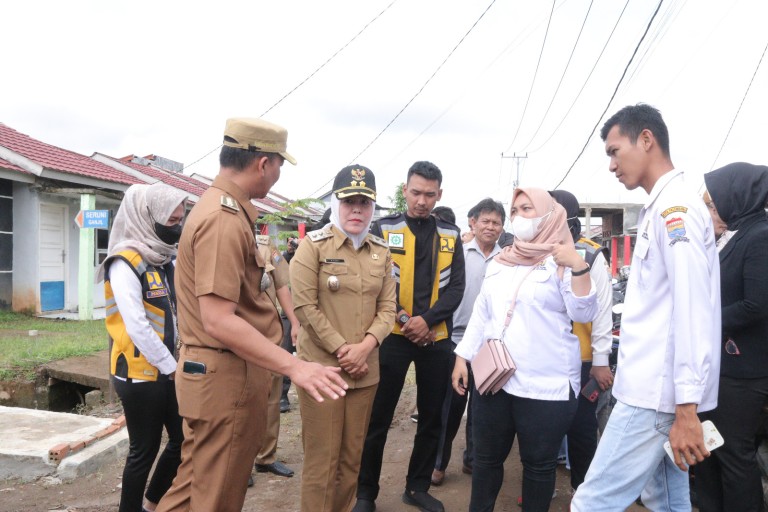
{"x": 277, "y": 267}
{"x": 218, "y": 255}
{"x": 363, "y": 302}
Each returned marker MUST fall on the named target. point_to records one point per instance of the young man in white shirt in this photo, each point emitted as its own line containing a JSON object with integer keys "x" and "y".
{"x": 669, "y": 354}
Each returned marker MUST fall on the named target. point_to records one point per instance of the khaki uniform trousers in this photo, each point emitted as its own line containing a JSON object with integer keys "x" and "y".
{"x": 224, "y": 421}
{"x": 333, "y": 433}
{"x": 268, "y": 448}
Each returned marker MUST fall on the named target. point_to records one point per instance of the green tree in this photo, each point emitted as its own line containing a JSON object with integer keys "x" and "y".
{"x": 294, "y": 208}
{"x": 398, "y": 200}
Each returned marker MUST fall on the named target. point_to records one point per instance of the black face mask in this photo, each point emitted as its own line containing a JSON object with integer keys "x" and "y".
{"x": 168, "y": 234}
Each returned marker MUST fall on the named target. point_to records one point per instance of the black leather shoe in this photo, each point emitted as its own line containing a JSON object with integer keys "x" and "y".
{"x": 363, "y": 505}
{"x": 423, "y": 500}
{"x": 285, "y": 405}
{"x": 277, "y": 467}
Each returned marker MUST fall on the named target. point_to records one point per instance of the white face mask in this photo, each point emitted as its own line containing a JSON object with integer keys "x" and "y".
{"x": 526, "y": 230}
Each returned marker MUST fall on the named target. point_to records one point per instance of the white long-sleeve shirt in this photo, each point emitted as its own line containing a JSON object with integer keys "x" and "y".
{"x": 539, "y": 337}
{"x": 128, "y": 297}
{"x": 602, "y": 325}
{"x": 669, "y": 352}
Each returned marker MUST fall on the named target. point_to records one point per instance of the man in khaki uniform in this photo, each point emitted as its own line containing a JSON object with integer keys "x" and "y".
{"x": 278, "y": 270}
{"x": 229, "y": 327}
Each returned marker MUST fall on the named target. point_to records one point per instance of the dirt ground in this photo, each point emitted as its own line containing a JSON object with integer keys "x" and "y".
{"x": 100, "y": 492}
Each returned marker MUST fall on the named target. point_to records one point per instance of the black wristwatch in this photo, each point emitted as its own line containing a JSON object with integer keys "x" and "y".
{"x": 402, "y": 318}
{"x": 580, "y": 272}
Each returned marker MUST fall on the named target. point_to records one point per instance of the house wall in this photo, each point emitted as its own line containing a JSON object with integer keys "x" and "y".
{"x": 26, "y": 218}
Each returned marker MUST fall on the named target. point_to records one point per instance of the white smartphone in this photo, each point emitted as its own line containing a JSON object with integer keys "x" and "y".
{"x": 712, "y": 439}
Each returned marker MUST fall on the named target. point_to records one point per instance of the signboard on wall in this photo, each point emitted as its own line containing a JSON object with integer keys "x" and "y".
{"x": 94, "y": 219}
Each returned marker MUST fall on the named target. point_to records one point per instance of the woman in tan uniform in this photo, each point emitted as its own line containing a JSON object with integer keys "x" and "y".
{"x": 344, "y": 297}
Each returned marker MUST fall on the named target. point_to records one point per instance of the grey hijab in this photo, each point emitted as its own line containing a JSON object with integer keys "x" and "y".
{"x": 134, "y": 225}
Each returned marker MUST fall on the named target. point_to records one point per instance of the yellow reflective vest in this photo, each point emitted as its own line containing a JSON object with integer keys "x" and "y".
{"x": 402, "y": 246}
{"x": 126, "y": 360}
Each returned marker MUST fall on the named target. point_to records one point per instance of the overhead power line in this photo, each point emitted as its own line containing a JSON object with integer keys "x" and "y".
{"x": 739, "y": 109}
{"x": 313, "y": 73}
{"x": 415, "y": 95}
{"x": 562, "y": 77}
{"x": 329, "y": 58}
{"x": 584, "y": 85}
{"x": 533, "y": 82}
{"x": 594, "y": 129}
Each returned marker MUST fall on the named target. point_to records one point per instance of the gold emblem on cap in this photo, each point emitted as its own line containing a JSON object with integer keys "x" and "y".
{"x": 358, "y": 175}
{"x": 333, "y": 283}
{"x": 374, "y": 256}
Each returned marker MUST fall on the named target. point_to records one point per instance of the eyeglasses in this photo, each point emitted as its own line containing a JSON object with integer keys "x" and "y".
{"x": 731, "y": 348}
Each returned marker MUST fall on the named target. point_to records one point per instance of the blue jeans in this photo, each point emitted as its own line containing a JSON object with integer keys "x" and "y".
{"x": 630, "y": 460}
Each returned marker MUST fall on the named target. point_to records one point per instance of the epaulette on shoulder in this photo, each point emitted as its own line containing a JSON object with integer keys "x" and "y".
{"x": 319, "y": 234}
{"x": 229, "y": 204}
{"x": 262, "y": 239}
{"x": 378, "y": 240}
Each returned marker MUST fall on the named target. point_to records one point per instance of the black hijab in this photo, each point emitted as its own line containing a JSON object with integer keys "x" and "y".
{"x": 739, "y": 191}
{"x": 571, "y": 205}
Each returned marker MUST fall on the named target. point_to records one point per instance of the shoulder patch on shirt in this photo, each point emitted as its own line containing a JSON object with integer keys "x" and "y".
{"x": 674, "y": 209}
{"x": 319, "y": 234}
{"x": 377, "y": 240}
{"x": 229, "y": 204}
{"x": 676, "y": 230}
{"x": 276, "y": 256}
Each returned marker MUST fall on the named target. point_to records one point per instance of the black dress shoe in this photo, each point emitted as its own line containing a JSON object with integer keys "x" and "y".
{"x": 277, "y": 467}
{"x": 363, "y": 505}
{"x": 423, "y": 500}
{"x": 285, "y": 405}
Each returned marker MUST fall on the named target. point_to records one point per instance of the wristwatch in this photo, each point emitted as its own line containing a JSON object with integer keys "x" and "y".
{"x": 402, "y": 318}
{"x": 580, "y": 272}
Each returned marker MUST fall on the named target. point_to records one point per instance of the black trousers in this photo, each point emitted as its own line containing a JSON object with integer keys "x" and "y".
{"x": 729, "y": 480}
{"x": 582, "y": 436}
{"x": 432, "y": 370}
{"x": 539, "y": 426}
{"x": 148, "y": 407}
{"x": 453, "y": 409}
{"x": 286, "y": 344}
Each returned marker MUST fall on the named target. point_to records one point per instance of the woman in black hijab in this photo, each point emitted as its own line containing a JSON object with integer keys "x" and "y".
{"x": 729, "y": 480}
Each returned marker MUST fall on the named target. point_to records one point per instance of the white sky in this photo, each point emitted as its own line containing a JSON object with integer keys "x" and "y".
{"x": 147, "y": 77}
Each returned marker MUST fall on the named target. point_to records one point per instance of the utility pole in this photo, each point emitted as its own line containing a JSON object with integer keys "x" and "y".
{"x": 517, "y": 158}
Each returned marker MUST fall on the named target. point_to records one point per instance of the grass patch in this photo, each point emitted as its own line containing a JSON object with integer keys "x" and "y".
{"x": 21, "y": 354}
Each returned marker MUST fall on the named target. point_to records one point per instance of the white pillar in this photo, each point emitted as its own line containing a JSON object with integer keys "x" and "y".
{"x": 85, "y": 266}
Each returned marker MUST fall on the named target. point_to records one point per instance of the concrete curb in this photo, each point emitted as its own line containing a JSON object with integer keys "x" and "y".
{"x": 90, "y": 459}
{"x": 33, "y": 442}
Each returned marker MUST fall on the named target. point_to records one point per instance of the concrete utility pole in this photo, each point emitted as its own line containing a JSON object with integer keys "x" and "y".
{"x": 517, "y": 158}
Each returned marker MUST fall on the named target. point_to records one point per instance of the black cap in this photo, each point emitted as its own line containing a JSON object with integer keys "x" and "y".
{"x": 355, "y": 180}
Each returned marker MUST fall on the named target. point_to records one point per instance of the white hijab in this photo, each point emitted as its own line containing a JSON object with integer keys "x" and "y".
{"x": 134, "y": 225}
{"x": 357, "y": 240}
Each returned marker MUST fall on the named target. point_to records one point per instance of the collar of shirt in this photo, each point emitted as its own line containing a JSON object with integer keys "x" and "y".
{"x": 339, "y": 238}
{"x": 229, "y": 186}
{"x": 662, "y": 182}
{"x": 473, "y": 246}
